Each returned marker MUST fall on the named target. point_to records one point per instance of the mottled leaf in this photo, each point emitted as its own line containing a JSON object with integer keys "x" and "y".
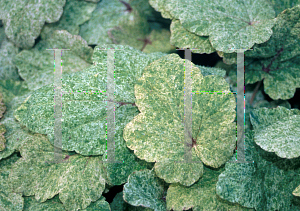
{"x": 182, "y": 38}
{"x": 199, "y": 196}
{"x": 266, "y": 184}
{"x": 277, "y": 130}
{"x": 118, "y": 204}
{"x": 230, "y": 25}
{"x": 36, "y": 66}
{"x": 144, "y": 188}
{"x": 159, "y": 5}
{"x": 79, "y": 181}
{"x": 156, "y": 134}
{"x": 9, "y": 200}
{"x": 108, "y": 15}
{"x": 277, "y": 61}
{"x": 54, "y": 204}
{"x": 24, "y": 19}
{"x": 117, "y": 173}
{"x": 14, "y": 93}
{"x": 279, "y": 6}
{"x": 8, "y": 51}
{"x": 84, "y": 115}
{"x": 76, "y": 12}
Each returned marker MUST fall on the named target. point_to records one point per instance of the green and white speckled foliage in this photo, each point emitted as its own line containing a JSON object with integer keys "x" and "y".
{"x": 2, "y": 127}
{"x": 36, "y": 174}
{"x": 14, "y": 93}
{"x": 8, "y": 50}
{"x": 156, "y": 134}
{"x": 144, "y": 188}
{"x": 9, "y": 200}
{"x": 84, "y": 130}
{"x": 266, "y": 184}
{"x": 36, "y": 66}
{"x": 277, "y": 61}
{"x": 76, "y": 12}
{"x": 200, "y": 196}
{"x": 24, "y": 19}
{"x": 277, "y": 130}
{"x": 222, "y": 19}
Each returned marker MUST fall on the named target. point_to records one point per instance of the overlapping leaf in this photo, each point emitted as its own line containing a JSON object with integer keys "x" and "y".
{"x": 144, "y": 188}
{"x": 118, "y": 204}
{"x": 14, "y": 93}
{"x": 36, "y": 65}
{"x": 109, "y": 14}
{"x": 84, "y": 115}
{"x": 266, "y": 184}
{"x": 76, "y": 12}
{"x": 156, "y": 134}
{"x": 2, "y": 127}
{"x": 24, "y": 19}
{"x": 54, "y": 204}
{"x": 277, "y": 61}
{"x": 183, "y": 38}
{"x": 9, "y": 200}
{"x": 37, "y": 174}
{"x": 8, "y": 50}
{"x": 199, "y": 196}
{"x": 277, "y": 130}
{"x": 117, "y": 173}
{"x": 230, "y": 25}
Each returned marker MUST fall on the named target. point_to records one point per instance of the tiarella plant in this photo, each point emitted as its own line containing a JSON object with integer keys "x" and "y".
{"x": 130, "y": 45}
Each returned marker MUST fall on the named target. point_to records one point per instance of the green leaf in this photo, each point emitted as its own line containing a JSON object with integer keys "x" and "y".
{"x": 109, "y": 15}
{"x": 279, "y": 6}
{"x": 8, "y": 51}
{"x": 14, "y": 93}
{"x": 24, "y": 19}
{"x": 277, "y": 61}
{"x": 31, "y": 204}
{"x": 276, "y": 130}
{"x": 76, "y": 12}
{"x": 117, "y": 173}
{"x": 159, "y": 5}
{"x": 2, "y": 127}
{"x": 36, "y": 65}
{"x": 182, "y": 38}
{"x": 37, "y": 174}
{"x": 84, "y": 130}
{"x": 199, "y": 196}
{"x": 266, "y": 184}
{"x": 144, "y": 189}
{"x": 156, "y": 134}
{"x": 9, "y": 199}
{"x": 229, "y": 25}
{"x": 118, "y": 204}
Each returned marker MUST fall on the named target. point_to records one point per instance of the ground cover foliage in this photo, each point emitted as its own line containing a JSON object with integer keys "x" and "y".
{"x": 149, "y": 80}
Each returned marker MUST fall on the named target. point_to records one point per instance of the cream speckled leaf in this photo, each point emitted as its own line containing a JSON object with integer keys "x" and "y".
{"x": 8, "y": 51}
{"x": 266, "y": 184}
{"x": 159, "y": 5}
{"x": 84, "y": 130}
{"x": 199, "y": 196}
{"x": 296, "y": 192}
{"x": 79, "y": 181}
{"x": 156, "y": 134}
{"x": 14, "y": 94}
{"x": 229, "y": 24}
{"x": 76, "y": 12}
{"x": 117, "y": 173}
{"x": 9, "y": 200}
{"x": 228, "y": 58}
{"x": 277, "y": 130}
{"x": 205, "y": 71}
{"x": 24, "y": 19}
{"x": 182, "y": 38}
{"x": 36, "y": 66}
{"x": 279, "y": 6}
{"x": 277, "y": 61}
{"x": 144, "y": 188}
